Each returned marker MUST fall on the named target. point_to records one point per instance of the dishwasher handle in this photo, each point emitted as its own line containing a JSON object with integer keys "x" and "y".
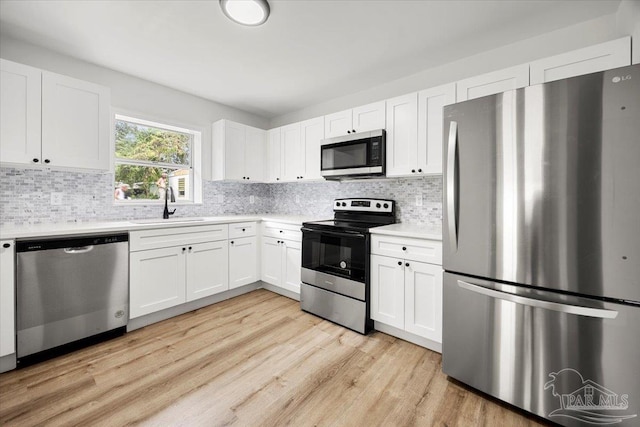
{"x": 78, "y": 250}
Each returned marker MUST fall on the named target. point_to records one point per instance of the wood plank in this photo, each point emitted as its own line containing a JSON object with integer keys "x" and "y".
{"x": 253, "y": 360}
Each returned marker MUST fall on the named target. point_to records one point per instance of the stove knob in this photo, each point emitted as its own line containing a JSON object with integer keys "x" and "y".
{"x": 386, "y": 205}
{"x": 337, "y": 203}
{"x": 344, "y": 204}
{"x": 378, "y": 205}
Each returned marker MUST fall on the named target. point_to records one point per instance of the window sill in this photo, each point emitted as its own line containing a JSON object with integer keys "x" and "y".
{"x": 154, "y": 203}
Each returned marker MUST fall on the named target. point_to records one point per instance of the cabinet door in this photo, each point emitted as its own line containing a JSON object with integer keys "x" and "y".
{"x": 430, "y": 132}
{"x": 255, "y": 150}
{"x": 274, "y": 156}
{"x": 7, "y": 298}
{"x": 603, "y": 56}
{"x": 20, "y": 119}
{"x": 75, "y": 123}
{"x": 402, "y": 135}
{"x": 271, "y": 261}
{"x": 387, "y": 290}
{"x": 243, "y": 261}
{"x": 337, "y": 124}
{"x": 157, "y": 280}
{"x": 492, "y": 83}
{"x": 292, "y": 152}
{"x": 235, "y": 138}
{"x": 311, "y": 132}
{"x": 291, "y": 264}
{"x": 423, "y": 300}
{"x": 369, "y": 117}
{"x": 207, "y": 269}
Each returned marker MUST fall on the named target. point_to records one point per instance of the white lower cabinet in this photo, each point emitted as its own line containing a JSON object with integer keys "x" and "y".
{"x": 281, "y": 261}
{"x": 406, "y": 285}
{"x": 7, "y": 298}
{"x": 157, "y": 280}
{"x": 243, "y": 261}
{"x": 207, "y": 269}
{"x": 163, "y": 276}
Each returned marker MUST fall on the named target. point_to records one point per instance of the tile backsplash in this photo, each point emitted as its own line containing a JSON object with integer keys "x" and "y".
{"x": 25, "y": 198}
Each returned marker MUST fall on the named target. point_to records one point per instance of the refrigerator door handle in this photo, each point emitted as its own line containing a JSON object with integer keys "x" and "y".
{"x": 547, "y": 305}
{"x": 451, "y": 185}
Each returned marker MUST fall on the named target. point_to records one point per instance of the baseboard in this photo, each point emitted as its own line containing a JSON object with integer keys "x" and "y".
{"x": 141, "y": 322}
{"x": 8, "y": 362}
{"x": 279, "y": 290}
{"x": 407, "y": 336}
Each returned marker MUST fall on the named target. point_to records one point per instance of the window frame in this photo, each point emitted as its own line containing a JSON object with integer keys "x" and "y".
{"x": 196, "y": 133}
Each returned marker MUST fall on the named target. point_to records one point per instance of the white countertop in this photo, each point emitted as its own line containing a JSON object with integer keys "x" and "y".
{"x": 409, "y": 230}
{"x": 61, "y": 229}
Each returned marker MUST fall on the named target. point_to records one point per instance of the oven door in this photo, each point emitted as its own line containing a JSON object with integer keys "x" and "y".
{"x": 336, "y": 261}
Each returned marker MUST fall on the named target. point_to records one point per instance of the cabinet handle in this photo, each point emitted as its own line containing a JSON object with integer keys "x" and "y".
{"x": 281, "y": 231}
{"x": 277, "y": 179}
{"x": 301, "y": 177}
{"x": 353, "y": 131}
{"x": 190, "y": 248}
{"x": 47, "y": 161}
{"x": 248, "y": 177}
{"x": 348, "y": 131}
{"x": 184, "y": 249}
{"x": 419, "y": 170}
{"x": 399, "y": 262}
{"x": 243, "y": 229}
{"x": 6, "y": 245}
{"x": 232, "y": 242}
{"x": 36, "y": 160}
{"x": 413, "y": 171}
{"x": 406, "y": 264}
{"x": 404, "y": 248}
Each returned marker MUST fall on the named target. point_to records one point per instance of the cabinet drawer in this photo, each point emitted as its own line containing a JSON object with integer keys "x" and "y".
{"x": 242, "y": 229}
{"x": 282, "y": 231}
{"x": 422, "y": 250}
{"x": 165, "y": 237}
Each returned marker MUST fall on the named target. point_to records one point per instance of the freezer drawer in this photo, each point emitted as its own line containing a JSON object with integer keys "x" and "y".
{"x": 571, "y": 360}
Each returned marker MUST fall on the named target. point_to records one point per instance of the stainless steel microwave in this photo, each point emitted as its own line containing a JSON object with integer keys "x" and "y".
{"x": 357, "y": 155}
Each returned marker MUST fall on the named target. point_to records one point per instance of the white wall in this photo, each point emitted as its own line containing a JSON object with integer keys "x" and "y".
{"x": 563, "y": 40}
{"x": 135, "y": 95}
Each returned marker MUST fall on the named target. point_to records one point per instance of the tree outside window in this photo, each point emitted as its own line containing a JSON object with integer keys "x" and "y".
{"x": 150, "y": 158}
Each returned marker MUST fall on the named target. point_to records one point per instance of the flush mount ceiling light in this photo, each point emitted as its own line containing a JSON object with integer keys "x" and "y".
{"x": 246, "y": 12}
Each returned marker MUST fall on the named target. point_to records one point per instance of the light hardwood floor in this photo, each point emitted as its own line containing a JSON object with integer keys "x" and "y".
{"x": 255, "y": 360}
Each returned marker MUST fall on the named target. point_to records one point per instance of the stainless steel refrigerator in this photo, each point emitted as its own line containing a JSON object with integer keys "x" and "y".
{"x": 542, "y": 247}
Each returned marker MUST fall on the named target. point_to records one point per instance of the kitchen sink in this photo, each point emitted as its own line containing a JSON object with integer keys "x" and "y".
{"x": 165, "y": 221}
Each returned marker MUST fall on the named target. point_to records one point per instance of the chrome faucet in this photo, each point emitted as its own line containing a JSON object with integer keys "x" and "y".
{"x": 166, "y": 213}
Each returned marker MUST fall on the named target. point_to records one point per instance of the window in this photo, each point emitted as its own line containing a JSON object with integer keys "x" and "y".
{"x": 154, "y": 161}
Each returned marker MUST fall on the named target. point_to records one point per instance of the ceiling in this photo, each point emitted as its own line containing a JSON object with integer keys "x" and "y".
{"x": 309, "y": 51}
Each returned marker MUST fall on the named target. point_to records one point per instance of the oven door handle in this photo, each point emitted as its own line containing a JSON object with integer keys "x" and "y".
{"x": 353, "y": 234}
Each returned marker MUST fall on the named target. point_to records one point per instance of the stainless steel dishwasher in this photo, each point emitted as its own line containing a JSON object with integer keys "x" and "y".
{"x": 69, "y": 290}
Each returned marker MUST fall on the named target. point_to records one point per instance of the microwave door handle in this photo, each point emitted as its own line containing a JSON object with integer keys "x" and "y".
{"x": 353, "y": 234}
{"x": 533, "y": 302}
{"x": 451, "y": 186}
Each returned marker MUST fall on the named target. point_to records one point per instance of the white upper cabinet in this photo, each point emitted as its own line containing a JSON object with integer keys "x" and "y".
{"x": 492, "y": 83}
{"x": 600, "y": 57}
{"x": 360, "y": 119}
{"x": 311, "y": 134}
{"x": 430, "y": 122}
{"x": 53, "y": 120}
{"x": 75, "y": 123}
{"x": 369, "y": 117}
{"x": 402, "y": 134}
{"x": 291, "y": 152}
{"x": 274, "y": 156}
{"x": 254, "y": 153}
{"x": 300, "y": 150}
{"x": 20, "y": 118}
{"x": 238, "y": 152}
